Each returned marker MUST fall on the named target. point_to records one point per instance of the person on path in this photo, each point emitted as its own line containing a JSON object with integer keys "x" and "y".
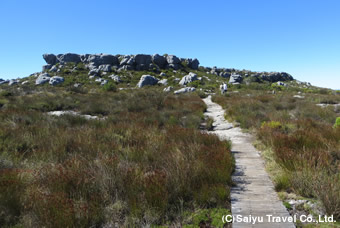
{"x": 223, "y": 88}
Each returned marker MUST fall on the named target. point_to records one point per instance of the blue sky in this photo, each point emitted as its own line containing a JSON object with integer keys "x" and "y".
{"x": 301, "y": 37}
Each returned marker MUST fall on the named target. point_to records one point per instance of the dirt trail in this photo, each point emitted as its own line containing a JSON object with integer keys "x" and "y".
{"x": 254, "y": 192}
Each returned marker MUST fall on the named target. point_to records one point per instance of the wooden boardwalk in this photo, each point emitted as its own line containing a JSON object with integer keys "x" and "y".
{"x": 253, "y": 196}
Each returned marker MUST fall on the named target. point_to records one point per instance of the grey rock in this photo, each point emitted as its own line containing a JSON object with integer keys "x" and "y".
{"x": 24, "y": 82}
{"x": 50, "y": 58}
{"x": 42, "y": 79}
{"x": 104, "y": 82}
{"x": 99, "y": 80}
{"x": 69, "y": 57}
{"x": 174, "y": 66}
{"x": 105, "y": 68}
{"x": 163, "y": 82}
{"x": 115, "y": 78}
{"x": 46, "y": 67}
{"x": 54, "y": 69}
{"x": 188, "y": 78}
{"x": 185, "y": 90}
{"x": 55, "y": 80}
{"x": 125, "y": 67}
{"x": 13, "y": 82}
{"x": 102, "y": 59}
{"x": 235, "y": 78}
{"x": 192, "y": 63}
{"x": 281, "y": 83}
{"x": 168, "y": 89}
{"x": 159, "y": 60}
{"x": 172, "y": 59}
{"x": 127, "y": 60}
{"x": 4, "y": 82}
{"x": 162, "y": 74}
{"x": 77, "y": 85}
{"x": 147, "y": 80}
{"x": 143, "y": 59}
{"x": 224, "y": 74}
{"x": 94, "y": 71}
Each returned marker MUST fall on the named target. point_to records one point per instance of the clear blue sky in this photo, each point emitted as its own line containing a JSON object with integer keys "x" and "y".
{"x": 301, "y": 37}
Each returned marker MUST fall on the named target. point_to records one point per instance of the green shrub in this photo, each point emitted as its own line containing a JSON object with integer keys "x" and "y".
{"x": 110, "y": 87}
{"x": 337, "y": 122}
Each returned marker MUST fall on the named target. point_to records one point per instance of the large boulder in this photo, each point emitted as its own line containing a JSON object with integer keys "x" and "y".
{"x": 42, "y": 79}
{"x": 235, "y": 78}
{"x": 224, "y": 74}
{"x": 172, "y": 59}
{"x": 185, "y": 90}
{"x": 147, "y": 80}
{"x": 69, "y": 58}
{"x": 192, "y": 63}
{"x": 188, "y": 78}
{"x": 55, "y": 80}
{"x": 102, "y": 59}
{"x": 50, "y": 58}
{"x": 159, "y": 60}
{"x": 276, "y": 76}
{"x": 143, "y": 59}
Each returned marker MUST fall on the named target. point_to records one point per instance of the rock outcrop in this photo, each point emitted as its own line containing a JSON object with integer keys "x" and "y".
{"x": 147, "y": 80}
{"x": 185, "y": 90}
{"x": 121, "y": 62}
{"x": 188, "y": 78}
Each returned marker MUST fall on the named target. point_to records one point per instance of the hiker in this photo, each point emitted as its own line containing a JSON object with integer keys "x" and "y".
{"x": 223, "y": 88}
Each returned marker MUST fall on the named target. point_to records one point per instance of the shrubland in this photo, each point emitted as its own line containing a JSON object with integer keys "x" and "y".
{"x": 303, "y": 137}
{"x": 144, "y": 162}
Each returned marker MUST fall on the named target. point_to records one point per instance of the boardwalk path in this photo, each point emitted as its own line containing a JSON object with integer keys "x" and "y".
{"x": 254, "y": 192}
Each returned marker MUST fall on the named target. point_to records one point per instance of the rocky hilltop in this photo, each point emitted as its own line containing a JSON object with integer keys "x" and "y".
{"x": 107, "y": 62}
{"x": 141, "y": 70}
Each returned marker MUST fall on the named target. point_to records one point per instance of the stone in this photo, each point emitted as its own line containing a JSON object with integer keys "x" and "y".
{"x": 172, "y": 59}
{"x": 77, "y": 85}
{"x": 143, "y": 59}
{"x": 299, "y": 96}
{"x": 147, "y": 80}
{"x": 102, "y": 59}
{"x": 68, "y": 58}
{"x": 125, "y": 67}
{"x": 104, "y": 82}
{"x": 42, "y": 79}
{"x": 3, "y": 81}
{"x": 174, "y": 66}
{"x": 50, "y": 59}
{"x": 127, "y": 60}
{"x": 115, "y": 78}
{"x": 168, "y": 89}
{"x": 94, "y": 72}
{"x": 159, "y": 60}
{"x": 162, "y": 74}
{"x": 163, "y": 82}
{"x": 185, "y": 90}
{"x": 192, "y": 63}
{"x": 54, "y": 69}
{"x": 55, "y": 80}
{"x": 235, "y": 78}
{"x": 46, "y": 67}
{"x": 13, "y": 82}
{"x": 105, "y": 68}
{"x": 188, "y": 78}
{"x": 224, "y": 74}
{"x": 24, "y": 82}
{"x": 281, "y": 83}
